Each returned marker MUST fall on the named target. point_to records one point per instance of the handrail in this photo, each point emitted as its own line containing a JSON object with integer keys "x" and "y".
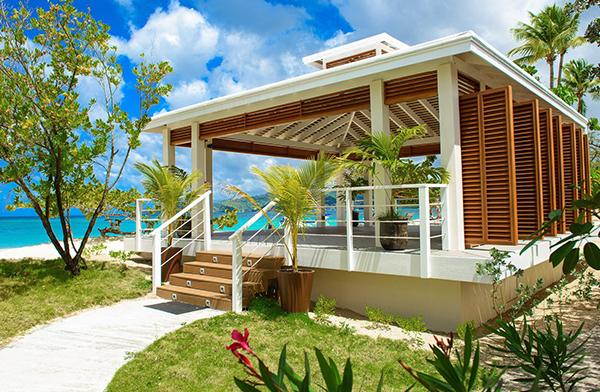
{"x": 379, "y": 187}
{"x": 182, "y": 212}
{"x": 252, "y": 220}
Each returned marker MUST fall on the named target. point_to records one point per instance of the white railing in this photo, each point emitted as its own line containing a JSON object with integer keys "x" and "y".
{"x": 146, "y": 217}
{"x": 199, "y": 227}
{"x": 238, "y": 261}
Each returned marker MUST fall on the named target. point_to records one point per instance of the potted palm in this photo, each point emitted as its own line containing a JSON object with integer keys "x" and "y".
{"x": 296, "y": 193}
{"x": 381, "y": 152}
{"x": 170, "y": 189}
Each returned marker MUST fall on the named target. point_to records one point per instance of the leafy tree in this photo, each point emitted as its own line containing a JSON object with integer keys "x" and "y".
{"x": 530, "y": 69}
{"x": 548, "y": 36}
{"x": 579, "y": 76}
{"x": 565, "y": 93}
{"x": 51, "y": 147}
{"x": 592, "y": 32}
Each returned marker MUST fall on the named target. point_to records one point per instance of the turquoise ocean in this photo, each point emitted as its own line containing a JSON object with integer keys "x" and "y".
{"x": 20, "y": 231}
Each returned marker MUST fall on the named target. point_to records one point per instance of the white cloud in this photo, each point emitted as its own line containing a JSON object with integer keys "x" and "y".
{"x": 188, "y": 93}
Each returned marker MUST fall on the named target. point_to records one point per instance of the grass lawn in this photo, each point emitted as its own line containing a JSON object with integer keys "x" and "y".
{"x": 194, "y": 357}
{"x": 33, "y": 292}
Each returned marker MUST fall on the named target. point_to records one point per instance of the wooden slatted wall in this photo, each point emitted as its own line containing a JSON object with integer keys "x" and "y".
{"x": 547, "y": 165}
{"x": 412, "y": 87}
{"x": 528, "y": 167}
{"x": 559, "y": 178}
{"x": 467, "y": 85}
{"x": 487, "y": 134}
{"x": 569, "y": 168}
{"x": 586, "y": 164}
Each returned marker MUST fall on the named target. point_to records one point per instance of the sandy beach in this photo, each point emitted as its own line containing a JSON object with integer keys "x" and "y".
{"x": 47, "y": 251}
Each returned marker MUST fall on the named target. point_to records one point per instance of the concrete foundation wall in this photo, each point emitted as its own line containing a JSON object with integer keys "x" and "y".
{"x": 476, "y": 298}
{"x": 437, "y": 300}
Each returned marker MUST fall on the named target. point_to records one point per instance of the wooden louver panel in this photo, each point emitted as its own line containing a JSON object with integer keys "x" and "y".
{"x": 351, "y": 59}
{"x": 559, "y": 172}
{"x": 325, "y": 105}
{"x": 487, "y": 145}
{"x": 471, "y": 170}
{"x": 547, "y": 165}
{"x": 586, "y": 165}
{"x": 181, "y": 136}
{"x": 528, "y": 168}
{"x": 467, "y": 85}
{"x": 570, "y": 169}
{"x": 411, "y": 87}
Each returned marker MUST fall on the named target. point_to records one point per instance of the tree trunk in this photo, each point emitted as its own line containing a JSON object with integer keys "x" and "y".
{"x": 551, "y": 64}
{"x": 560, "y": 67}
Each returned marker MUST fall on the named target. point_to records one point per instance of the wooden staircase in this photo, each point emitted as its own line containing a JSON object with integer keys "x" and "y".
{"x": 207, "y": 281}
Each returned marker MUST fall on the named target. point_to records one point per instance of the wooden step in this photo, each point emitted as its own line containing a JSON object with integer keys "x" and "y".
{"x": 274, "y": 262}
{"x": 197, "y": 297}
{"x": 224, "y": 271}
{"x": 214, "y": 284}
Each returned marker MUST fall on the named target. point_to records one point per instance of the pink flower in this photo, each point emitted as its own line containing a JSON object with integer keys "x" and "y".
{"x": 241, "y": 341}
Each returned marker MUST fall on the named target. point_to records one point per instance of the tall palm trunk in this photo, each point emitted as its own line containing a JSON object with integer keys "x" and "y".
{"x": 551, "y": 64}
{"x": 560, "y": 67}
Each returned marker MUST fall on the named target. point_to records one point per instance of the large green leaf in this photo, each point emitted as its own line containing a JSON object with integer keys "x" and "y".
{"x": 571, "y": 261}
{"x": 559, "y": 255}
{"x": 591, "y": 252}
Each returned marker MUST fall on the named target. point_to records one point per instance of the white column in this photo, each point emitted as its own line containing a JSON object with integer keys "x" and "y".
{"x": 450, "y": 153}
{"x": 198, "y": 163}
{"x": 368, "y": 200}
{"x": 168, "y": 149}
{"x": 340, "y": 208}
{"x": 380, "y": 122}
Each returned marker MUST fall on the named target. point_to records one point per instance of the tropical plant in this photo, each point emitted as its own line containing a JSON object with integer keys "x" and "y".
{"x": 276, "y": 382}
{"x": 550, "y": 359}
{"x": 296, "y": 193}
{"x": 324, "y": 308}
{"x": 170, "y": 188}
{"x": 548, "y": 36}
{"x": 592, "y": 31}
{"x": 228, "y": 219}
{"x": 352, "y": 179}
{"x": 579, "y": 76}
{"x": 52, "y": 141}
{"x": 381, "y": 152}
{"x": 461, "y": 376}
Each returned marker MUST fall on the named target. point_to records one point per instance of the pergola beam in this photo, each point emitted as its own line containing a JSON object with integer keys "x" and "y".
{"x": 323, "y": 132}
{"x": 414, "y": 116}
{"x": 305, "y": 134}
{"x": 429, "y": 107}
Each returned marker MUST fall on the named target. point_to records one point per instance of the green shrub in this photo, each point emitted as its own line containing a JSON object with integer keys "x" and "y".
{"x": 379, "y": 317}
{"x": 462, "y": 328}
{"x": 412, "y": 324}
{"x": 120, "y": 255}
{"x": 94, "y": 250}
{"x": 324, "y": 308}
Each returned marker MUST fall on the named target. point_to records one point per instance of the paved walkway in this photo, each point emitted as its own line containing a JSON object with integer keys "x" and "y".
{"x": 83, "y": 352}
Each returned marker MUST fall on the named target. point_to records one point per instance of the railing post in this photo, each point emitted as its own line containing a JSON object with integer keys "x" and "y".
{"x": 349, "y": 238}
{"x": 425, "y": 230}
{"x": 236, "y": 274}
{"x": 207, "y": 225}
{"x": 156, "y": 261}
{"x": 444, "y": 215}
{"x": 138, "y": 225}
{"x": 288, "y": 242}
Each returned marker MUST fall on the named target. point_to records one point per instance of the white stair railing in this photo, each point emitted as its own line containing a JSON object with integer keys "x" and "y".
{"x": 202, "y": 227}
{"x": 237, "y": 261}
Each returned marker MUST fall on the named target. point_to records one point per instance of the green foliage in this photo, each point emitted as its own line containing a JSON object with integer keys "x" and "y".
{"x": 324, "y": 308}
{"x": 228, "y": 219}
{"x": 379, "y": 318}
{"x": 550, "y": 359}
{"x": 120, "y": 255}
{"x": 497, "y": 269}
{"x": 592, "y": 32}
{"x": 49, "y": 144}
{"x": 170, "y": 188}
{"x": 530, "y": 69}
{"x": 582, "y": 80}
{"x": 462, "y": 376}
{"x": 296, "y": 193}
{"x": 94, "y": 250}
{"x": 565, "y": 93}
{"x": 462, "y": 329}
{"x": 411, "y": 324}
{"x": 353, "y": 179}
{"x": 568, "y": 250}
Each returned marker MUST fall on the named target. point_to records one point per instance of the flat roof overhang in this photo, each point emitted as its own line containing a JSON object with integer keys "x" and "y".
{"x": 471, "y": 55}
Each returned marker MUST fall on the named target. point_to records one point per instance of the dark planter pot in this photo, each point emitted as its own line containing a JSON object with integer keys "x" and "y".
{"x": 355, "y": 218}
{"x": 185, "y": 231}
{"x": 295, "y": 289}
{"x": 174, "y": 265}
{"x": 399, "y": 228}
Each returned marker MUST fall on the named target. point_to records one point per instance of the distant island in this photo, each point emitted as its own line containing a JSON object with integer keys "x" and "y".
{"x": 246, "y": 206}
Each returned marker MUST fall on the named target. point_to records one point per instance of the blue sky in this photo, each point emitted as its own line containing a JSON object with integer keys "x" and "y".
{"x": 218, "y": 47}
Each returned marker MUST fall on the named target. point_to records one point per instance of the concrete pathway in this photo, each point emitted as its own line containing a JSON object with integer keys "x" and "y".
{"x": 83, "y": 352}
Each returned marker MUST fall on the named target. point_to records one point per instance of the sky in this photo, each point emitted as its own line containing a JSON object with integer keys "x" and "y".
{"x": 219, "y": 47}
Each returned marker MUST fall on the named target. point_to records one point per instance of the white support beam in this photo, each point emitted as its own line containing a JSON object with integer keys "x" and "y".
{"x": 168, "y": 149}
{"x": 276, "y": 129}
{"x": 325, "y": 131}
{"x": 396, "y": 120}
{"x": 380, "y": 122}
{"x": 295, "y": 128}
{"x": 348, "y": 127}
{"x": 414, "y": 116}
{"x": 476, "y": 74}
{"x": 316, "y": 130}
{"x": 366, "y": 113}
{"x": 429, "y": 107}
{"x": 451, "y": 154}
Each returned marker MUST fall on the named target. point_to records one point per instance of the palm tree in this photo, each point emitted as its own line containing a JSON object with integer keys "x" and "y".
{"x": 296, "y": 192}
{"x": 549, "y": 36}
{"x": 170, "y": 188}
{"x": 381, "y": 151}
{"x": 579, "y": 76}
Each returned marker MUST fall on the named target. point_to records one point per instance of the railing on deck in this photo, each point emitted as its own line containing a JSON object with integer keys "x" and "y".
{"x": 238, "y": 261}
{"x": 199, "y": 220}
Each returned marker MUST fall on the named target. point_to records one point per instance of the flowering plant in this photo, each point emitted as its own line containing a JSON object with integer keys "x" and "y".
{"x": 276, "y": 382}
